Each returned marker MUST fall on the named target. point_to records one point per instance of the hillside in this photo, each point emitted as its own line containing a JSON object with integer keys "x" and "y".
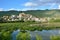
{"x": 38, "y": 13}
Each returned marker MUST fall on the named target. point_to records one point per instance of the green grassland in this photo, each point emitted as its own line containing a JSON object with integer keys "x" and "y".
{"x": 31, "y": 26}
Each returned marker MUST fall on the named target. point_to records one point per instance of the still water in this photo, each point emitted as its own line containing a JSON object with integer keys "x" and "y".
{"x": 45, "y": 34}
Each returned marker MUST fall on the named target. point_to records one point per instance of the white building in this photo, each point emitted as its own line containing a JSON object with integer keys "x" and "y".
{"x": 37, "y": 19}
{"x": 21, "y": 15}
{"x": 13, "y": 17}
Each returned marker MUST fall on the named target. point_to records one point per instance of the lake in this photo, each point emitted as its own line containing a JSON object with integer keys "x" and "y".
{"x": 45, "y": 34}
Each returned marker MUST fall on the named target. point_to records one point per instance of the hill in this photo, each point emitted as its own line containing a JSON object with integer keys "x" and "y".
{"x": 38, "y": 13}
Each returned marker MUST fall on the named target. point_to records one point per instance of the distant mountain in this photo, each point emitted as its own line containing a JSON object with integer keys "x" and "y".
{"x": 37, "y": 13}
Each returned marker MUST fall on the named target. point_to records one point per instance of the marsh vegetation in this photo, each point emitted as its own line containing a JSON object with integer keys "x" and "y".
{"x": 6, "y": 29}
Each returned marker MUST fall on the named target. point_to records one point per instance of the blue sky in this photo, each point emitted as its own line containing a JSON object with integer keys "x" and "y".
{"x": 29, "y": 4}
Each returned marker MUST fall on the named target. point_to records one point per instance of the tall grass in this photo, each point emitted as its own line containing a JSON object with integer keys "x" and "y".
{"x": 23, "y": 36}
{"x": 38, "y": 37}
{"x": 55, "y": 37}
{"x": 5, "y": 35}
{"x": 27, "y": 26}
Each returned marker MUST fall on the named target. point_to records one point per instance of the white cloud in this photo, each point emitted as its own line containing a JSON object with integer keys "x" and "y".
{"x": 52, "y": 6}
{"x": 43, "y": 2}
{"x": 14, "y": 9}
{"x": 59, "y": 7}
{"x": 25, "y": 9}
{"x": 1, "y": 9}
{"x": 30, "y": 4}
{"x": 49, "y": 3}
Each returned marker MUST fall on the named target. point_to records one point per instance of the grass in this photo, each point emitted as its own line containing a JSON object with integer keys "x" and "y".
{"x": 31, "y": 26}
{"x": 5, "y": 35}
{"x": 26, "y": 36}
{"x": 55, "y": 37}
{"x": 38, "y": 37}
{"x": 23, "y": 36}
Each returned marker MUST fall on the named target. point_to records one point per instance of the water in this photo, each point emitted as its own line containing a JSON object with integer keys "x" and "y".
{"x": 45, "y": 34}
{"x": 14, "y": 34}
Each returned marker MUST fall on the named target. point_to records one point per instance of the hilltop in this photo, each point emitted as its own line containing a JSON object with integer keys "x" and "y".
{"x": 37, "y": 13}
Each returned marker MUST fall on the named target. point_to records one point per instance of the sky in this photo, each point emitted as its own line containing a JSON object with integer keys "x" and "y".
{"x": 24, "y": 5}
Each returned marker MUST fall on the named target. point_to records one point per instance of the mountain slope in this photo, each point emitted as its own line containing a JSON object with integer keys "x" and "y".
{"x": 38, "y": 13}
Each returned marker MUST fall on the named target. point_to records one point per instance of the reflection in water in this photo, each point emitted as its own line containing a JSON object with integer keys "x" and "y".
{"x": 14, "y": 34}
{"x": 45, "y": 34}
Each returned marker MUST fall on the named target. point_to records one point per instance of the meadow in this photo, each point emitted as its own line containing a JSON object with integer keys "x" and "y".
{"x": 31, "y": 26}
{"x": 7, "y": 28}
